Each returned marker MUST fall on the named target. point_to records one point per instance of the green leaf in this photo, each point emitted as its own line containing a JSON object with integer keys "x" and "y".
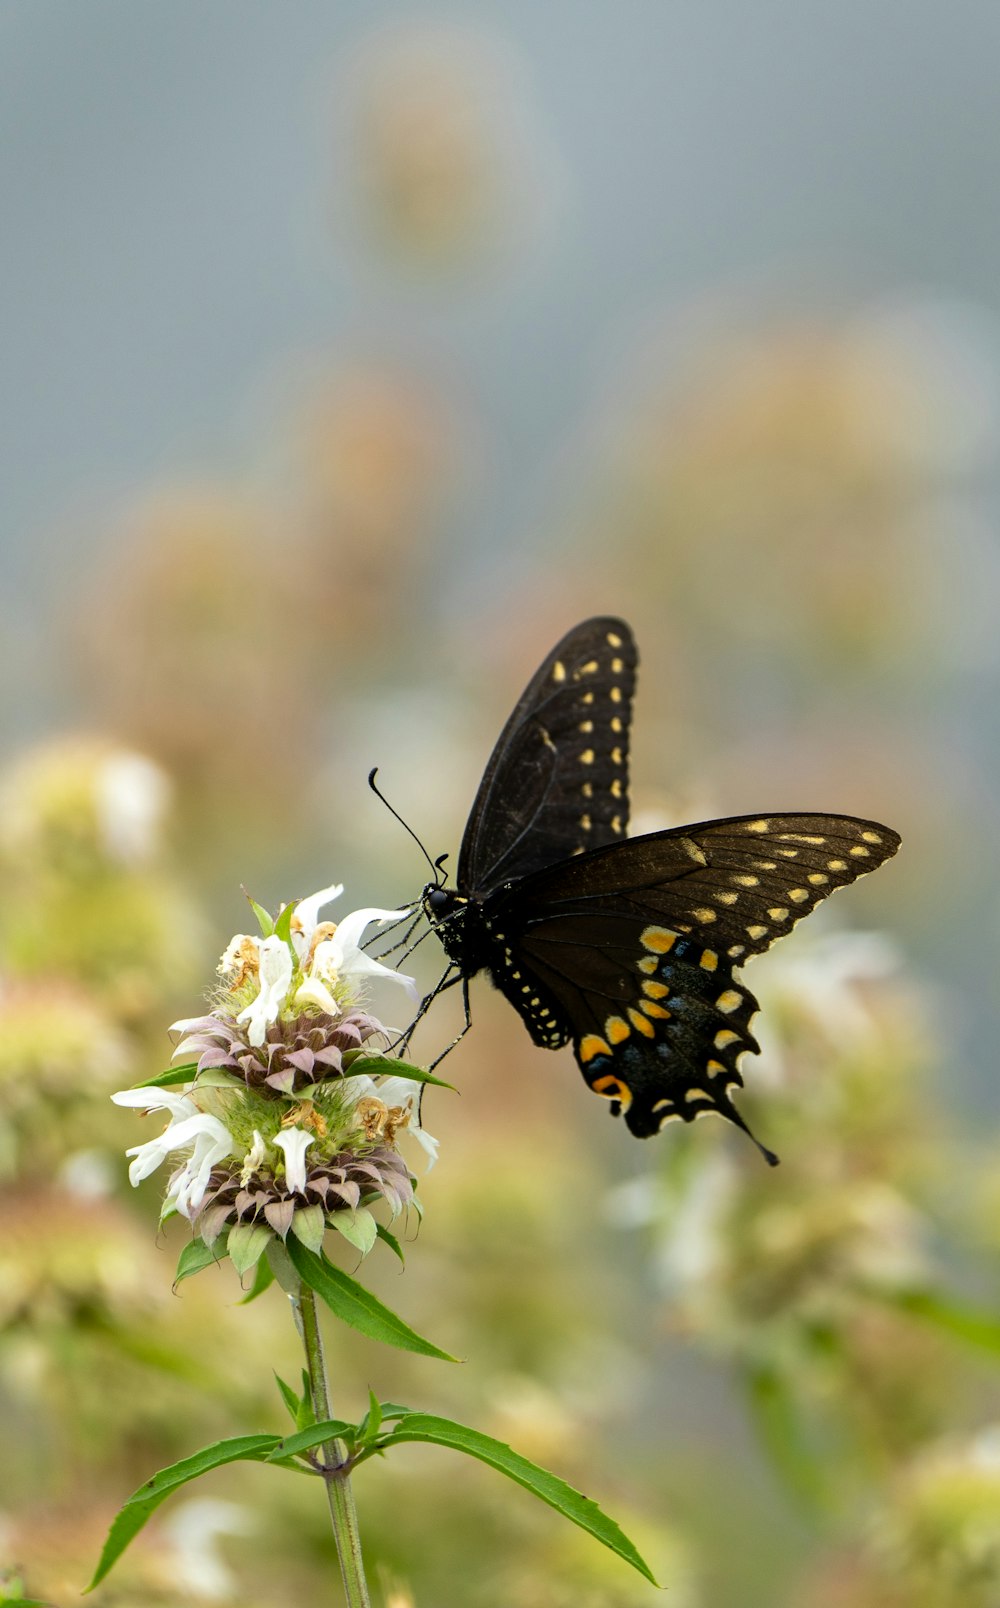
{"x": 393, "y": 1409}
{"x": 314, "y": 1435}
{"x": 372, "y": 1421}
{"x": 197, "y": 1255}
{"x": 966, "y": 1323}
{"x": 358, "y": 1228}
{"x": 132, "y": 1517}
{"x": 173, "y": 1074}
{"x": 263, "y": 1277}
{"x": 357, "y": 1064}
{"x": 356, "y": 1306}
{"x": 264, "y": 921}
{"x": 247, "y": 1244}
{"x": 782, "y": 1433}
{"x": 390, "y": 1239}
{"x": 572, "y": 1504}
{"x": 290, "y": 1399}
{"x": 309, "y": 1225}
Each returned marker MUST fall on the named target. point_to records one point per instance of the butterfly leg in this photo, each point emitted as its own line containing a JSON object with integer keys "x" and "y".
{"x": 447, "y": 980}
{"x": 468, "y": 1023}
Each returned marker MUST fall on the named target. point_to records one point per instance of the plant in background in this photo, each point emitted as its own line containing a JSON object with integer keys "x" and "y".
{"x": 285, "y": 1115}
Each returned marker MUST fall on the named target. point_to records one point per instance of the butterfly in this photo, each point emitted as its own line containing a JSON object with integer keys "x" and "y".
{"x": 627, "y": 948}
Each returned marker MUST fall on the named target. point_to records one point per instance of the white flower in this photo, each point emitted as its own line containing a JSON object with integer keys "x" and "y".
{"x": 275, "y": 964}
{"x": 404, "y": 1093}
{"x": 339, "y": 960}
{"x": 294, "y": 1142}
{"x": 305, "y": 919}
{"x": 131, "y": 798}
{"x": 209, "y": 1140}
{"x": 253, "y": 1159}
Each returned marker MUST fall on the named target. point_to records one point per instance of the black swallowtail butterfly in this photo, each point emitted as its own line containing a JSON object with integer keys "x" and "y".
{"x": 626, "y": 947}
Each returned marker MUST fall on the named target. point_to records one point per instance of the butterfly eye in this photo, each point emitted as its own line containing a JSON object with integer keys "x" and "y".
{"x": 437, "y": 901}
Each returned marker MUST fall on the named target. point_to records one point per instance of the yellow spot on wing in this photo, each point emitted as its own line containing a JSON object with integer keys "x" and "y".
{"x": 703, "y": 914}
{"x": 649, "y": 963}
{"x": 586, "y": 726}
{"x": 817, "y": 878}
{"x": 652, "y": 1009}
{"x": 729, "y": 1000}
{"x": 757, "y": 931}
{"x": 798, "y": 895}
{"x": 613, "y": 1089}
{"x": 714, "y": 1068}
{"x": 837, "y": 865}
{"x": 724, "y": 1037}
{"x": 709, "y": 960}
{"x": 587, "y": 789}
{"x": 612, "y": 640}
{"x": 871, "y": 837}
{"x": 587, "y": 757}
{"x": 778, "y": 913}
{"x": 616, "y": 695}
{"x": 655, "y": 990}
{"x": 758, "y": 826}
{"x": 616, "y": 725}
{"x": 559, "y": 671}
{"x": 617, "y": 666}
{"x": 860, "y": 851}
{"x": 585, "y": 822}
{"x": 616, "y": 787}
{"x": 659, "y": 939}
{"x": 640, "y": 1023}
{"x": 592, "y": 1046}
{"x": 616, "y": 759}
{"x": 616, "y": 1029}
{"x": 588, "y": 668}
{"x": 747, "y": 881}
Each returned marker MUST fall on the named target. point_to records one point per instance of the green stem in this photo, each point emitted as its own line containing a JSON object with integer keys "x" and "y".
{"x": 337, "y": 1474}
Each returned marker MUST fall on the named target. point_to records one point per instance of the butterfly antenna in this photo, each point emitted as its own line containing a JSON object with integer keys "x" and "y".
{"x": 434, "y": 865}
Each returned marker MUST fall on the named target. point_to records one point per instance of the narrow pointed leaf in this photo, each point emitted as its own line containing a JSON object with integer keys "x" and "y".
{"x": 783, "y": 1435}
{"x": 247, "y": 1244}
{"x": 572, "y": 1504}
{"x": 358, "y": 1228}
{"x": 372, "y": 1421}
{"x": 263, "y": 1278}
{"x": 128, "y": 1523}
{"x": 314, "y": 1435}
{"x": 356, "y": 1306}
{"x": 358, "y": 1064}
{"x": 264, "y": 921}
{"x": 283, "y": 926}
{"x": 172, "y": 1074}
{"x": 289, "y": 1398}
{"x": 197, "y": 1255}
{"x": 967, "y": 1323}
{"x": 390, "y": 1239}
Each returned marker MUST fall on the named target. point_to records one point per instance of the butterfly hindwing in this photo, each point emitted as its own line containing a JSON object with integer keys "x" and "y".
{"x": 630, "y": 950}
{"x": 557, "y": 781}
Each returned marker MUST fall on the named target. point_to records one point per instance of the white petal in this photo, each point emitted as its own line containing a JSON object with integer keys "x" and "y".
{"x": 294, "y": 1142}
{"x": 275, "y": 976}
{"x": 192, "y": 1129}
{"x": 314, "y": 992}
{"x": 307, "y": 910}
{"x": 179, "y": 1105}
{"x": 350, "y": 930}
{"x": 186, "y": 1023}
{"x": 210, "y": 1146}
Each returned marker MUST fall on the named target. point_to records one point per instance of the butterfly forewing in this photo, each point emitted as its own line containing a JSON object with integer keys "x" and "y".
{"x": 557, "y": 781}
{"x": 737, "y": 884}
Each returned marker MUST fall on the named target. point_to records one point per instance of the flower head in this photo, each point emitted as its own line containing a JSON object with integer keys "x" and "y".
{"x": 276, "y": 1126}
